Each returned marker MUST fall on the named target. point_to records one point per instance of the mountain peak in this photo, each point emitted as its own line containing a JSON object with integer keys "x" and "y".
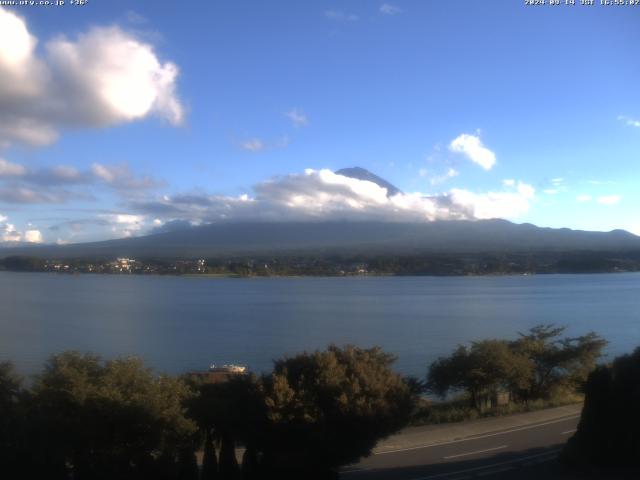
{"x": 360, "y": 173}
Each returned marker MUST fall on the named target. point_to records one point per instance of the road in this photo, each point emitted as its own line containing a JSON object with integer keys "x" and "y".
{"x": 492, "y": 454}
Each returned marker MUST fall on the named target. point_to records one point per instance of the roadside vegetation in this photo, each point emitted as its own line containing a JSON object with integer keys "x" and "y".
{"x": 86, "y": 418}
{"x": 540, "y": 369}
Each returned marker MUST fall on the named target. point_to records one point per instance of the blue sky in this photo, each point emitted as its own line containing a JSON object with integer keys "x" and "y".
{"x": 120, "y": 117}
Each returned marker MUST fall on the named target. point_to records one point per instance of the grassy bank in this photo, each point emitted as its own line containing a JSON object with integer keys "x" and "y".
{"x": 459, "y": 409}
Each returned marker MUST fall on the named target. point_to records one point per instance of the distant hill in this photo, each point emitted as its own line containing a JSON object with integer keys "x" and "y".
{"x": 360, "y": 173}
{"x": 228, "y": 239}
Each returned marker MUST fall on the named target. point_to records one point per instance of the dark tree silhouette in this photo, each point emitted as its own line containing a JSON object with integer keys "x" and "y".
{"x": 209, "y": 460}
{"x": 608, "y": 434}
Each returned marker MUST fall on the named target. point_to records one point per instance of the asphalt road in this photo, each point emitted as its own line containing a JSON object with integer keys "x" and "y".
{"x": 500, "y": 454}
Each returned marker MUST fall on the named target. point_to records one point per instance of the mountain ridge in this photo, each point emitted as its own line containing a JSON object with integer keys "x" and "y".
{"x": 254, "y": 238}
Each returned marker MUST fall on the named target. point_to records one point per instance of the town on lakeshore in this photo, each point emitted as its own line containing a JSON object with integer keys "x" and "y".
{"x": 344, "y": 264}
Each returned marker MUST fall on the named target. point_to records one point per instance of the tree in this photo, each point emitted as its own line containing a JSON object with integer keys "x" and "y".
{"x": 230, "y": 412}
{"x": 209, "y": 460}
{"x": 487, "y": 367}
{"x": 24, "y": 264}
{"x": 12, "y": 422}
{"x": 555, "y": 361}
{"x": 329, "y": 408}
{"x": 608, "y": 433}
{"x": 108, "y": 419}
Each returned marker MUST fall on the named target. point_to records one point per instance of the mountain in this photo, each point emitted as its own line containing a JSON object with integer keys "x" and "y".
{"x": 360, "y": 173}
{"x": 228, "y": 239}
{"x": 324, "y": 237}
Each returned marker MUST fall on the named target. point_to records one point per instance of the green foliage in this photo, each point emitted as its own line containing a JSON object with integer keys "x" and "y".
{"x": 110, "y": 418}
{"x": 557, "y": 362}
{"x": 485, "y": 368}
{"x": 530, "y": 368}
{"x": 329, "y": 408}
{"x": 458, "y": 409}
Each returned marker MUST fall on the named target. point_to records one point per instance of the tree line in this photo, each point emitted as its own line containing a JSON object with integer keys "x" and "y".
{"x": 537, "y": 365}
{"x": 86, "y": 418}
{"x": 332, "y": 264}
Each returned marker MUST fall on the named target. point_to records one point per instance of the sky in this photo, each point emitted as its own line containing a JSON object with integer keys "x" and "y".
{"x": 120, "y": 118}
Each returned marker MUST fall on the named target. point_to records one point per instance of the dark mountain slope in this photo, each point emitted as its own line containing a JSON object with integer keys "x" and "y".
{"x": 228, "y": 239}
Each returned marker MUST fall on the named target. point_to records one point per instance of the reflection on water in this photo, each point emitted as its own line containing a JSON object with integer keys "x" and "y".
{"x": 181, "y": 323}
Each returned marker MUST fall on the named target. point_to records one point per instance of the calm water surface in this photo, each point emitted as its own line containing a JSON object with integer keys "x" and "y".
{"x": 182, "y": 323}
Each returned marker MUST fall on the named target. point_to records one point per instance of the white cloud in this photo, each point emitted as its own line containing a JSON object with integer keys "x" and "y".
{"x": 609, "y": 199}
{"x": 8, "y": 169}
{"x": 121, "y": 178}
{"x": 9, "y": 233}
{"x": 340, "y": 16}
{"x": 509, "y": 182}
{"x": 472, "y": 147}
{"x": 102, "y": 172}
{"x": 124, "y": 224}
{"x": 323, "y": 195}
{"x": 632, "y": 122}
{"x": 510, "y": 204}
{"x": 33, "y": 236}
{"x": 388, "y": 9}
{"x": 439, "y": 179}
{"x": 253, "y": 145}
{"x": 103, "y": 77}
{"x": 584, "y": 198}
{"x": 297, "y": 117}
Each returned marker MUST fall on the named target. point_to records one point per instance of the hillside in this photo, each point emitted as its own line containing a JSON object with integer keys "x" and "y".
{"x": 228, "y": 239}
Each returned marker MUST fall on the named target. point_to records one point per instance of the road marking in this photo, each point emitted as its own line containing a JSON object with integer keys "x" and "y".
{"x": 493, "y": 465}
{"x": 568, "y": 432}
{"x": 477, "y": 437}
{"x": 476, "y": 452}
{"x": 354, "y": 470}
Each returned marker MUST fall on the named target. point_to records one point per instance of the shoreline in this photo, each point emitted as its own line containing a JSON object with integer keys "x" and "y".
{"x": 355, "y": 275}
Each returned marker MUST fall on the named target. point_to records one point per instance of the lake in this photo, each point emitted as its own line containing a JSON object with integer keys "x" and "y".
{"x": 182, "y": 323}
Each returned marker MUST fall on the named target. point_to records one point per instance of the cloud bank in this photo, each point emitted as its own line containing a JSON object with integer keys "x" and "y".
{"x": 103, "y": 77}
{"x": 324, "y": 195}
{"x": 9, "y": 233}
{"x": 49, "y": 185}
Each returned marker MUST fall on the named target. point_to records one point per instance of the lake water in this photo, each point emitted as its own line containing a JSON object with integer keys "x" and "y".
{"x": 181, "y": 323}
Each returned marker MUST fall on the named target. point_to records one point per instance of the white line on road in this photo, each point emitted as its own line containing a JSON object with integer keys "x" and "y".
{"x": 468, "y": 439}
{"x": 476, "y": 452}
{"x": 493, "y": 465}
{"x": 568, "y": 432}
